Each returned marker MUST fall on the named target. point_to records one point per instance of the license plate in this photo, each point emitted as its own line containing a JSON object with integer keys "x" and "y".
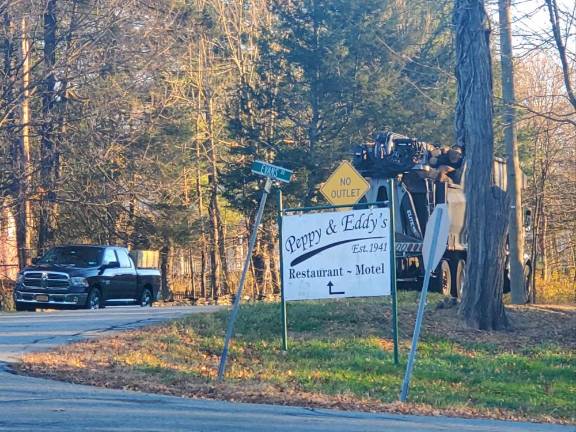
{"x": 42, "y": 298}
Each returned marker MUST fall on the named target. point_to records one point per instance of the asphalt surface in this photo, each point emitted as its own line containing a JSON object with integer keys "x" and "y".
{"x": 32, "y": 404}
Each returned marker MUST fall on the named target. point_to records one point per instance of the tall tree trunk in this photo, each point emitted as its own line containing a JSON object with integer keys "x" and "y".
{"x": 314, "y": 100}
{"x": 482, "y": 305}
{"x": 516, "y": 234}
{"x": 8, "y": 88}
{"x": 166, "y": 269}
{"x": 258, "y": 261}
{"x": 47, "y": 130}
{"x": 213, "y": 209}
{"x": 544, "y": 246}
{"x": 200, "y": 201}
{"x": 22, "y": 158}
{"x": 274, "y": 270}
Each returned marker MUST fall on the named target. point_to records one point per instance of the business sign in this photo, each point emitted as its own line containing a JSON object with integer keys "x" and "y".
{"x": 273, "y": 171}
{"x": 345, "y": 185}
{"x": 337, "y": 254}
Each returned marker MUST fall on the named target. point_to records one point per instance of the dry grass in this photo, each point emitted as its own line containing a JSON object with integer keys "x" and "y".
{"x": 560, "y": 289}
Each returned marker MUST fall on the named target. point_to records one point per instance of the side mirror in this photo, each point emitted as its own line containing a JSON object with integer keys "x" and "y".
{"x": 527, "y": 219}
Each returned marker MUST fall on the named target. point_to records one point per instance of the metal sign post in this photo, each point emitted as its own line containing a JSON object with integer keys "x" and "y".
{"x": 434, "y": 246}
{"x": 283, "y": 297}
{"x": 271, "y": 172}
{"x": 392, "y": 206}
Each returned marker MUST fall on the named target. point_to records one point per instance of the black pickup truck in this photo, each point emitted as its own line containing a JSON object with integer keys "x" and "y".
{"x": 85, "y": 276}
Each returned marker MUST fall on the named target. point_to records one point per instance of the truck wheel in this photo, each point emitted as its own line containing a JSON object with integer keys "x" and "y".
{"x": 459, "y": 279}
{"x": 146, "y": 298}
{"x": 443, "y": 281}
{"x": 94, "y": 300}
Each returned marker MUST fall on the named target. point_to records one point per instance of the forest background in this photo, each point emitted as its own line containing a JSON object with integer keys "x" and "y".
{"x": 135, "y": 122}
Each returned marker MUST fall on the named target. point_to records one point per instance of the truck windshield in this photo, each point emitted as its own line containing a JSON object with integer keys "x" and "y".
{"x": 77, "y": 256}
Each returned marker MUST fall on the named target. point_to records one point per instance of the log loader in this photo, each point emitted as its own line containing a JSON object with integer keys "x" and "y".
{"x": 426, "y": 175}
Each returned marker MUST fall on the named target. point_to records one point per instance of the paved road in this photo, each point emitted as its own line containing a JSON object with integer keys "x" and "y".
{"x": 32, "y": 404}
{"x": 36, "y": 331}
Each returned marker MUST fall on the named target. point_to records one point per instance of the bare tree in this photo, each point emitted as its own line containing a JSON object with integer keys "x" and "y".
{"x": 560, "y": 41}
{"x": 516, "y": 233}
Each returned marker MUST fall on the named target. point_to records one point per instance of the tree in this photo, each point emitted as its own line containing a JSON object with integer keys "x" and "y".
{"x": 560, "y": 39}
{"x": 486, "y": 222}
{"x": 516, "y": 233}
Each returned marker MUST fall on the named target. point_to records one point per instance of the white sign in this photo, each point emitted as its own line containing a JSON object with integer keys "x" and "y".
{"x": 432, "y": 258}
{"x": 339, "y": 254}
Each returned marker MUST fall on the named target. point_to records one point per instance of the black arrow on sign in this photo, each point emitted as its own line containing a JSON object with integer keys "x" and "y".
{"x": 330, "y": 285}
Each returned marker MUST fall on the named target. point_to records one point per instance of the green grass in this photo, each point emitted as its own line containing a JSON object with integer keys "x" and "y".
{"x": 344, "y": 348}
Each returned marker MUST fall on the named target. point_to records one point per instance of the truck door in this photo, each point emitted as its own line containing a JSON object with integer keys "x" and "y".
{"x": 128, "y": 278}
{"x": 110, "y": 281}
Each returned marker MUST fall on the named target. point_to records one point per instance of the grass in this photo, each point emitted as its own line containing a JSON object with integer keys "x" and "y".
{"x": 340, "y": 355}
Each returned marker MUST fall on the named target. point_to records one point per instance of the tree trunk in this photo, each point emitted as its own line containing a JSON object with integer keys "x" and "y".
{"x": 19, "y": 158}
{"x": 544, "y": 247}
{"x": 165, "y": 269}
{"x": 213, "y": 209}
{"x": 482, "y": 305}
{"x": 516, "y": 234}
{"x": 258, "y": 262}
{"x": 200, "y": 201}
{"x": 274, "y": 270}
{"x": 22, "y": 158}
{"x": 47, "y": 143}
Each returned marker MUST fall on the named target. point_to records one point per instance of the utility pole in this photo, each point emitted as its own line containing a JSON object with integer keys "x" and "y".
{"x": 516, "y": 234}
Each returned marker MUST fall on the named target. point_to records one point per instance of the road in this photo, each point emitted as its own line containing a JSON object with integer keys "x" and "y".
{"x": 32, "y": 404}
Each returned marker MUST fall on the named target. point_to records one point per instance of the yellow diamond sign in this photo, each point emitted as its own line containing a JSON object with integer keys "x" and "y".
{"x": 345, "y": 185}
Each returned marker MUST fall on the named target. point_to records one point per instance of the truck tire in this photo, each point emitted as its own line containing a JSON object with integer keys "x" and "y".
{"x": 94, "y": 300}
{"x": 442, "y": 283}
{"x": 146, "y": 298}
{"x": 459, "y": 275}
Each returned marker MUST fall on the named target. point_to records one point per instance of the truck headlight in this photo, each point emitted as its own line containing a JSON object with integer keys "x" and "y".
{"x": 79, "y": 281}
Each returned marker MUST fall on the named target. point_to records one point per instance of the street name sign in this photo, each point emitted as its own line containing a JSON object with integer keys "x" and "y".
{"x": 336, "y": 254}
{"x": 345, "y": 185}
{"x": 272, "y": 171}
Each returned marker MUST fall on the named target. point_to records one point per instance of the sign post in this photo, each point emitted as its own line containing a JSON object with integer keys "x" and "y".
{"x": 392, "y": 207}
{"x": 282, "y": 297}
{"x": 434, "y": 246}
{"x": 271, "y": 172}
